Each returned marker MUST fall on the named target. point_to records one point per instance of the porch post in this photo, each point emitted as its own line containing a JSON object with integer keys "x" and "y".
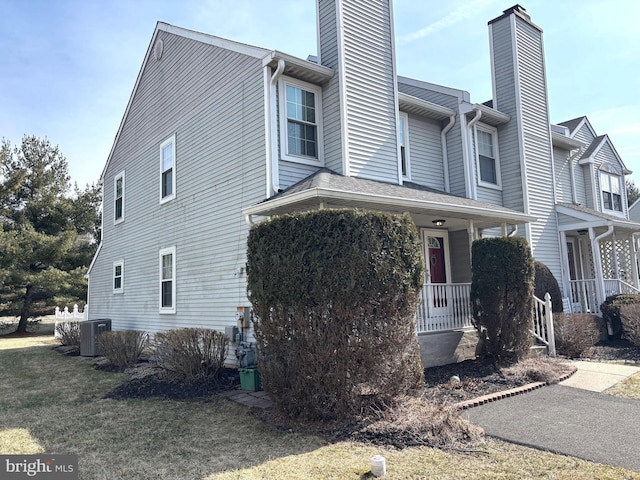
{"x": 472, "y": 235}
{"x": 566, "y": 273}
{"x": 634, "y": 261}
{"x": 597, "y": 266}
{"x": 504, "y": 229}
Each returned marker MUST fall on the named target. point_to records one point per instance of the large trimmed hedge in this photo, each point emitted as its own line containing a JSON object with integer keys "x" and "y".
{"x": 502, "y": 296}
{"x": 334, "y": 296}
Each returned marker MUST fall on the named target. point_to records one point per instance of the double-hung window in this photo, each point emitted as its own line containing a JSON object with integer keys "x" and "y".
{"x": 487, "y": 157}
{"x": 403, "y": 140}
{"x": 168, "y": 280}
{"x": 118, "y": 276}
{"x": 300, "y": 122}
{"x": 610, "y": 185}
{"x": 118, "y": 196}
{"x": 168, "y": 169}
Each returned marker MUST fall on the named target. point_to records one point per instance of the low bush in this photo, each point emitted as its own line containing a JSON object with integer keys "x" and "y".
{"x": 122, "y": 348}
{"x": 630, "y": 320}
{"x": 611, "y": 311}
{"x": 191, "y": 354}
{"x": 68, "y": 334}
{"x": 575, "y": 332}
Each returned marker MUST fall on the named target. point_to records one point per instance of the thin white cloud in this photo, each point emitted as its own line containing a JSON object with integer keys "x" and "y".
{"x": 466, "y": 11}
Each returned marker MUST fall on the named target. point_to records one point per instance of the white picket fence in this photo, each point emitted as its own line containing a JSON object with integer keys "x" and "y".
{"x": 67, "y": 316}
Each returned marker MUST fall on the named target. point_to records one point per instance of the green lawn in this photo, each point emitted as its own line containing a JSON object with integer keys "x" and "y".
{"x": 52, "y": 403}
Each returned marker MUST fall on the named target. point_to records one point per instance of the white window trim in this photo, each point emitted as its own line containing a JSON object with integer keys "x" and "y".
{"x": 284, "y": 141}
{"x": 171, "y": 140}
{"x": 113, "y": 282}
{"x": 163, "y": 252}
{"x": 494, "y": 137}
{"x": 407, "y": 150}
{"x": 612, "y": 175}
{"x": 115, "y": 193}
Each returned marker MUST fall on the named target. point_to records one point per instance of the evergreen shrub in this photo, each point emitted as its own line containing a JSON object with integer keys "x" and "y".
{"x": 630, "y": 320}
{"x": 122, "y": 348}
{"x": 191, "y": 354}
{"x": 334, "y": 295}
{"x": 502, "y": 296}
{"x": 546, "y": 282}
{"x": 610, "y": 310}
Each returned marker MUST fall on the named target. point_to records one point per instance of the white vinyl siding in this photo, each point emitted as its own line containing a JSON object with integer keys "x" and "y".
{"x": 168, "y": 169}
{"x": 118, "y": 195}
{"x": 168, "y": 280}
{"x": 118, "y": 277}
{"x": 300, "y": 122}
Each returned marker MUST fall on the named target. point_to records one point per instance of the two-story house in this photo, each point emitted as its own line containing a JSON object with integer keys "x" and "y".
{"x": 218, "y": 135}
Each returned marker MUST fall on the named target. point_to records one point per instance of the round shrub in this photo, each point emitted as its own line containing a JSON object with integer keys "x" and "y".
{"x": 610, "y": 309}
{"x": 334, "y": 295}
{"x": 502, "y": 296}
{"x": 546, "y": 282}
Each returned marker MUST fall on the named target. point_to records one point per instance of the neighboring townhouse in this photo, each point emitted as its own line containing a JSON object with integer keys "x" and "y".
{"x": 219, "y": 135}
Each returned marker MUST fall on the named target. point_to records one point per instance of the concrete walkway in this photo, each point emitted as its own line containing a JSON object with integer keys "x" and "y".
{"x": 572, "y": 418}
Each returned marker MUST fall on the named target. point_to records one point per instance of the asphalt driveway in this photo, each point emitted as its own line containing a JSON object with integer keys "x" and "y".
{"x": 571, "y": 421}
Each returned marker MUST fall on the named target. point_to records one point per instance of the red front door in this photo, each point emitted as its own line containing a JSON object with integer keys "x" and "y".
{"x": 437, "y": 271}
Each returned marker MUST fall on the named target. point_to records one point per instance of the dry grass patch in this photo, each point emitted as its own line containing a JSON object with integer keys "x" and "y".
{"x": 18, "y": 441}
{"x": 495, "y": 460}
{"x": 628, "y": 388}
{"x": 543, "y": 369}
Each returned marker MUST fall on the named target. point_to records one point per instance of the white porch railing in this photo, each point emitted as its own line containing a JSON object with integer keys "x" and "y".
{"x": 543, "y": 323}
{"x": 584, "y": 298}
{"x": 445, "y": 306}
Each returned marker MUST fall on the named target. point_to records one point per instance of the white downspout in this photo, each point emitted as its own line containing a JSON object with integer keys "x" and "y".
{"x": 514, "y": 230}
{"x": 249, "y": 219}
{"x": 275, "y": 184}
{"x": 634, "y": 266}
{"x": 445, "y": 155}
{"x": 472, "y": 168}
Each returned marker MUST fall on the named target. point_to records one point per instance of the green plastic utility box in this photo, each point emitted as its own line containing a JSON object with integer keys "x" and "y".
{"x": 249, "y": 379}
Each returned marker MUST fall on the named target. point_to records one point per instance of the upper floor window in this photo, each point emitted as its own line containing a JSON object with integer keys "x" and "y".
{"x": 168, "y": 280}
{"x": 118, "y": 276}
{"x": 168, "y": 169}
{"x": 403, "y": 140}
{"x": 300, "y": 121}
{"x": 487, "y": 156}
{"x": 118, "y": 196}
{"x": 611, "y": 187}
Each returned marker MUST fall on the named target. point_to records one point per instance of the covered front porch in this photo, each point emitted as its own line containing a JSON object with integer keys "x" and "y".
{"x": 600, "y": 257}
{"x": 447, "y": 224}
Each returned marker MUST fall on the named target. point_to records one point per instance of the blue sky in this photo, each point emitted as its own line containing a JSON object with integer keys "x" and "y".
{"x": 67, "y": 67}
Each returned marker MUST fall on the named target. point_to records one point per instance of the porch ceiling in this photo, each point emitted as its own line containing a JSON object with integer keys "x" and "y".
{"x": 327, "y": 189}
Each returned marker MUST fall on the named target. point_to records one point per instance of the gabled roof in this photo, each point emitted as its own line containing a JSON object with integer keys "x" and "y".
{"x": 593, "y": 149}
{"x": 573, "y": 124}
{"x": 335, "y": 190}
{"x": 238, "y": 47}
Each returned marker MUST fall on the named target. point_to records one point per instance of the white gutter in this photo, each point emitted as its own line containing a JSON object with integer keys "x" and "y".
{"x": 470, "y": 179}
{"x": 272, "y": 155}
{"x": 445, "y": 155}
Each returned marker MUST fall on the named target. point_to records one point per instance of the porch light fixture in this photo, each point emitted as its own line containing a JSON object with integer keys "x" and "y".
{"x": 583, "y": 231}
{"x": 439, "y": 222}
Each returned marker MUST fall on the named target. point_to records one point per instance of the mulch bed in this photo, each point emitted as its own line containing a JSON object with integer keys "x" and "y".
{"x": 146, "y": 381}
{"x": 613, "y": 350}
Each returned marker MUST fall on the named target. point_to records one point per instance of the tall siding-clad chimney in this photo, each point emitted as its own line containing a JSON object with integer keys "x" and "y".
{"x": 355, "y": 38}
{"x": 526, "y": 151}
